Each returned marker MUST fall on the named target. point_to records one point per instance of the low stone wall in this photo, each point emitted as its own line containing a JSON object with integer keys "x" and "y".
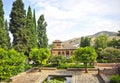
{"x": 81, "y": 69}
{"x": 48, "y": 68}
{"x": 106, "y": 64}
{"x": 107, "y": 71}
{"x": 35, "y": 69}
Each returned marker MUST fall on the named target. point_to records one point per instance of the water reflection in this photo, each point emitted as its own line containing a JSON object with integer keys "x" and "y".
{"x": 63, "y": 79}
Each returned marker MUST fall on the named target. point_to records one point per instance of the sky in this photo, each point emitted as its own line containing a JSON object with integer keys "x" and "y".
{"x": 69, "y": 19}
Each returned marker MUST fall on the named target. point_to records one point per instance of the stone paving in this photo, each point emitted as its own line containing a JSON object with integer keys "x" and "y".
{"x": 39, "y": 77}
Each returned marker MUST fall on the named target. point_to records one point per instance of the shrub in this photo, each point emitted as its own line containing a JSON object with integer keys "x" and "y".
{"x": 11, "y": 63}
{"x": 115, "y": 79}
{"x": 102, "y": 61}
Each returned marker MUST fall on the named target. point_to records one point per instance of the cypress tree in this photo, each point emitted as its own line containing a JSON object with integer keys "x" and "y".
{"x": 30, "y": 31}
{"x": 85, "y": 41}
{"x": 17, "y": 26}
{"x": 34, "y": 18}
{"x": 7, "y": 35}
{"x": 1, "y": 15}
{"x": 41, "y": 30}
{"x": 4, "y": 36}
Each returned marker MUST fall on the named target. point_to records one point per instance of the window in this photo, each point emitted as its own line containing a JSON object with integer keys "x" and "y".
{"x": 59, "y": 53}
{"x": 62, "y": 53}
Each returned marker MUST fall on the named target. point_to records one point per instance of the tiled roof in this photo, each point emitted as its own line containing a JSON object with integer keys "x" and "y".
{"x": 57, "y": 41}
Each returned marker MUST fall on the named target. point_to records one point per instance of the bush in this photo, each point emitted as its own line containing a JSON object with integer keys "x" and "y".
{"x": 115, "y": 79}
{"x": 72, "y": 65}
{"x": 102, "y": 61}
{"x": 11, "y": 63}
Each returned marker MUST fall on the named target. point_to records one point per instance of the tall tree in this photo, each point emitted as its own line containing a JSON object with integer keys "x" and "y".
{"x": 101, "y": 42}
{"x": 85, "y": 41}
{"x": 41, "y": 30}
{"x": 30, "y": 31}
{"x": 17, "y": 26}
{"x": 1, "y": 15}
{"x": 34, "y": 17}
{"x": 4, "y": 36}
{"x": 113, "y": 43}
{"x": 7, "y": 35}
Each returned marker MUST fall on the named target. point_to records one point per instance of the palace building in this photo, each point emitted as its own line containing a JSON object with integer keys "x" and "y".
{"x": 60, "y": 49}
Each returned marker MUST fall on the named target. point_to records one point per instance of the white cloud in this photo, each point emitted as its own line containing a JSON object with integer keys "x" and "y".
{"x": 74, "y": 18}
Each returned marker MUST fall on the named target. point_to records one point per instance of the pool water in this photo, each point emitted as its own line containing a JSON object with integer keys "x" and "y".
{"x": 59, "y": 79}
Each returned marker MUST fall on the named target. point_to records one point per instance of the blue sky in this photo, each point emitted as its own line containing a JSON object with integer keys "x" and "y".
{"x": 69, "y": 19}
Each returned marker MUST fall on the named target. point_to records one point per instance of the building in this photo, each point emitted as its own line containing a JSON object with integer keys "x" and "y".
{"x": 60, "y": 49}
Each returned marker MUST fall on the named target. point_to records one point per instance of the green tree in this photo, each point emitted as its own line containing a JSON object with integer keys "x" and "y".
{"x": 42, "y": 35}
{"x": 34, "y": 18}
{"x": 118, "y": 33}
{"x": 31, "y": 34}
{"x": 85, "y": 41}
{"x": 111, "y": 54}
{"x": 113, "y": 43}
{"x": 7, "y": 35}
{"x": 4, "y": 35}
{"x": 100, "y": 42}
{"x": 39, "y": 55}
{"x": 85, "y": 55}
{"x": 57, "y": 60}
{"x": 17, "y": 26}
{"x": 1, "y": 15}
{"x": 11, "y": 63}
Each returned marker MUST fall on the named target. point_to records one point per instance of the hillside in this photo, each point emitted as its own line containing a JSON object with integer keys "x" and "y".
{"x": 76, "y": 41}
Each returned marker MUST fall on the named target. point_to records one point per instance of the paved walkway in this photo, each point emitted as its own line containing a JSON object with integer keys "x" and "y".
{"x": 39, "y": 77}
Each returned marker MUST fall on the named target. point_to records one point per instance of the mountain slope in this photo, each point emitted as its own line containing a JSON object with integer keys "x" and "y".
{"x": 76, "y": 41}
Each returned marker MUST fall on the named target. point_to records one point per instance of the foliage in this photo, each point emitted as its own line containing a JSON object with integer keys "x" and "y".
{"x": 11, "y": 63}
{"x": 73, "y": 65}
{"x": 71, "y": 59}
{"x": 85, "y": 41}
{"x": 114, "y": 43}
{"x": 110, "y": 54}
{"x": 57, "y": 60}
{"x": 17, "y": 26}
{"x": 34, "y": 18}
{"x": 99, "y": 50}
{"x": 118, "y": 33}
{"x": 115, "y": 79}
{"x": 102, "y": 61}
{"x": 4, "y": 36}
{"x": 39, "y": 55}
{"x": 85, "y": 55}
{"x": 53, "y": 81}
{"x": 41, "y": 31}
{"x": 8, "y": 44}
{"x": 30, "y": 31}
{"x": 1, "y": 15}
{"x": 100, "y": 42}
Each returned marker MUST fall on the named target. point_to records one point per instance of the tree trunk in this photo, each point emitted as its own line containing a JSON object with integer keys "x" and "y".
{"x": 85, "y": 65}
